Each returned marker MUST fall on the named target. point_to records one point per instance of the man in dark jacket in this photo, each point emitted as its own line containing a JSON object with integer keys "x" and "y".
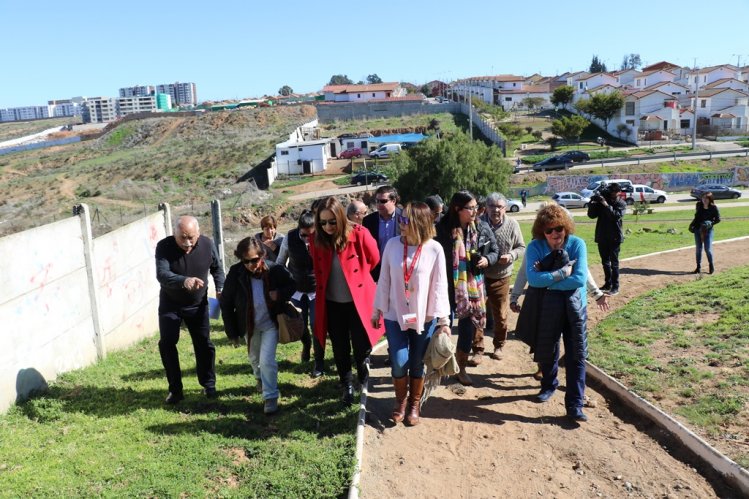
{"x": 609, "y": 209}
{"x": 383, "y": 223}
{"x": 183, "y": 261}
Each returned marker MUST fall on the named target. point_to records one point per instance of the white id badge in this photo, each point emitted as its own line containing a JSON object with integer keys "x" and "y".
{"x": 409, "y": 319}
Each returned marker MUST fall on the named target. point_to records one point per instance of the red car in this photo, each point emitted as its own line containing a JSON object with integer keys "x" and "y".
{"x": 350, "y": 153}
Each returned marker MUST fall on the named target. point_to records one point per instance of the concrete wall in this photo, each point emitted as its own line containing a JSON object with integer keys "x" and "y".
{"x": 67, "y": 299}
{"x": 328, "y": 113}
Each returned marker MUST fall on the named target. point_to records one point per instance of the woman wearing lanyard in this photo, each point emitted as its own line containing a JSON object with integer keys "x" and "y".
{"x": 412, "y": 298}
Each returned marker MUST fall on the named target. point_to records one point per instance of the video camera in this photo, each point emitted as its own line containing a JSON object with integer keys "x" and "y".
{"x": 605, "y": 193}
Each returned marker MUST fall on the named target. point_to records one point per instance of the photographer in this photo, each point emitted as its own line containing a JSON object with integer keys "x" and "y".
{"x": 608, "y": 208}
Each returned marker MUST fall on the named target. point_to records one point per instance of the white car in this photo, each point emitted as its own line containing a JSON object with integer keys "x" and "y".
{"x": 571, "y": 200}
{"x": 645, "y": 193}
{"x": 514, "y": 206}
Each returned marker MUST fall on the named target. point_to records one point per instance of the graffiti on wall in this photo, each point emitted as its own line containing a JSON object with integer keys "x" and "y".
{"x": 741, "y": 175}
{"x": 664, "y": 181}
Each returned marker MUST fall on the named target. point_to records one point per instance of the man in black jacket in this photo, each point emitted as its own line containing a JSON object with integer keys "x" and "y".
{"x": 383, "y": 223}
{"x": 609, "y": 209}
{"x": 183, "y": 261}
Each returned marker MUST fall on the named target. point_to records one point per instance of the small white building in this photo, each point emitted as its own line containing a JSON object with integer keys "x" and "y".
{"x": 295, "y": 157}
{"x": 362, "y": 93}
{"x": 649, "y": 78}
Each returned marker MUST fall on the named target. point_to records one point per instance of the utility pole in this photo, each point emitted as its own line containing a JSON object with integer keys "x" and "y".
{"x": 696, "y": 101}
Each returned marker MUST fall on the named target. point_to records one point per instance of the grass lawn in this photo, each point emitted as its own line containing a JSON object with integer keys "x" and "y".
{"x": 686, "y": 346}
{"x": 104, "y": 430}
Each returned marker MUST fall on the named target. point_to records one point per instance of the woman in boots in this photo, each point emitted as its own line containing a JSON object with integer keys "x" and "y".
{"x": 706, "y": 217}
{"x": 343, "y": 255}
{"x": 469, "y": 246}
{"x": 412, "y": 298}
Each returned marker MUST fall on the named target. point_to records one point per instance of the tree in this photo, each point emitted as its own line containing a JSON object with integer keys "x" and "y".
{"x": 605, "y": 106}
{"x": 424, "y": 89}
{"x": 285, "y": 90}
{"x": 373, "y": 78}
{"x": 631, "y": 61}
{"x": 582, "y": 106}
{"x": 562, "y": 95}
{"x": 340, "y": 80}
{"x": 533, "y": 102}
{"x": 569, "y": 128}
{"x": 623, "y": 131}
{"x": 597, "y": 66}
{"x": 445, "y": 166}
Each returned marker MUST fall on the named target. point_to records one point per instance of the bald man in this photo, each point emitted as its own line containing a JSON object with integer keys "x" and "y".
{"x": 183, "y": 261}
{"x": 356, "y": 211}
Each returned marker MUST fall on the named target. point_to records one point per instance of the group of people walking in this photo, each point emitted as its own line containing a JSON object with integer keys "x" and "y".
{"x": 408, "y": 273}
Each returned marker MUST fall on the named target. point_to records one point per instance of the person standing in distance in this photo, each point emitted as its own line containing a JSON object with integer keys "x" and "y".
{"x": 183, "y": 261}
{"x": 383, "y": 224}
{"x": 609, "y": 209}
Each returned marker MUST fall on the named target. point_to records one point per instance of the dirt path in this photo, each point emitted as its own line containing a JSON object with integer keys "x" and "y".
{"x": 168, "y": 131}
{"x": 493, "y": 440}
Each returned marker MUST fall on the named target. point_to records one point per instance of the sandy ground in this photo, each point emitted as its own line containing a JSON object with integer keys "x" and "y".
{"x": 494, "y": 440}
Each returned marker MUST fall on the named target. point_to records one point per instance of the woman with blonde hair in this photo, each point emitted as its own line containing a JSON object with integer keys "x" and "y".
{"x": 343, "y": 255}
{"x": 555, "y": 305}
{"x": 412, "y": 298}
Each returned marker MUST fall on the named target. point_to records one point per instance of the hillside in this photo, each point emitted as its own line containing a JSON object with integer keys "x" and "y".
{"x": 180, "y": 160}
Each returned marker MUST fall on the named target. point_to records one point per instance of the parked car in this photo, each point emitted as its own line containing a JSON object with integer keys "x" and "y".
{"x": 596, "y": 186}
{"x": 354, "y": 152}
{"x": 575, "y": 156}
{"x": 385, "y": 150}
{"x": 363, "y": 178}
{"x": 552, "y": 163}
{"x": 514, "y": 205}
{"x": 645, "y": 193}
{"x": 719, "y": 191}
{"x": 571, "y": 200}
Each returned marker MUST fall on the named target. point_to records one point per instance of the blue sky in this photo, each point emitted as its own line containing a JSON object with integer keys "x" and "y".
{"x": 237, "y": 49}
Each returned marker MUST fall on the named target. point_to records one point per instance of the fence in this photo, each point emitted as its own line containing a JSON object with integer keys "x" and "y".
{"x": 67, "y": 299}
{"x": 488, "y": 129}
{"x": 39, "y": 145}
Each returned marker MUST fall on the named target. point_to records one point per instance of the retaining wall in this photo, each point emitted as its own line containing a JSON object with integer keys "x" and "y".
{"x": 344, "y": 111}
{"x": 67, "y": 299}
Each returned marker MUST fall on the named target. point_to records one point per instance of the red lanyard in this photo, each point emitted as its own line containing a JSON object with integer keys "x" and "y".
{"x": 408, "y": 272}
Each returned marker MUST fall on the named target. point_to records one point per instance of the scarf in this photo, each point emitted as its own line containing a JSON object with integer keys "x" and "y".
{"x": 469, "y": 289}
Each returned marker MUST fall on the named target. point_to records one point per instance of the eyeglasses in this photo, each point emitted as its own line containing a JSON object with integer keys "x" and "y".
{"x": 383, "y": 201}
{"x": 248, "y": 261}
{"x": 496, "y": 206}
{"x": 331, "y": 222}
{"x": 553, "y": 229}
{"x": 403, "y": 220}
{"x": 471, "y": 208}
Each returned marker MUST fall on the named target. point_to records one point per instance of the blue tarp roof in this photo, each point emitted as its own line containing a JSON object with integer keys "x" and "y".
{"x": 401, "y": 138}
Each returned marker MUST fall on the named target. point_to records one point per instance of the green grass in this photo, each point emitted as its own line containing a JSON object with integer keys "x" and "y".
{"x": 688, "y": 344}
{"x": 104, "y": 430}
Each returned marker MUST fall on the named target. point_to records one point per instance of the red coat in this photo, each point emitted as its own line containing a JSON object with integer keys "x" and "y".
{"x": 358, "y": 258}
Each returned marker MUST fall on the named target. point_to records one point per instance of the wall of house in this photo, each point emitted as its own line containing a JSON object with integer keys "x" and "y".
{"x": 287, "y": 164}
{"x": 67, "y": 299}
{"x": 328, "y": 113}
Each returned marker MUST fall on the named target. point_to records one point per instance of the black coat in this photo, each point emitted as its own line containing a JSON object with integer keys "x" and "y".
{"x": 609, "y": 223}
{"x": 487, "y": 243}
{"x": 372, "y": 223}
{"x": 236, "y": 298}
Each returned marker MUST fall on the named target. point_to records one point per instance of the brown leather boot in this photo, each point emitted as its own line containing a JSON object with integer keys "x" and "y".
{"x": 414, "y": 401}
{"x": 462, "y": 375}
{"x": 401, "y": 398}
{"x": 474, "y": 360}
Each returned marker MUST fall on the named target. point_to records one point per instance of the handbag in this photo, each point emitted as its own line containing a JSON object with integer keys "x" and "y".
{"x": 290, "y": 324}
{"x": 693, "y": 226}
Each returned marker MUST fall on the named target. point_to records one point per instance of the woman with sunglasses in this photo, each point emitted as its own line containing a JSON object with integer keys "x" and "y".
{"x": 255, "y": 292}
{"x": 343, "y": 255}
{"x": 412, "y": 297}
{"x": 469, "y": 246}
{"x": 555, "y": 304}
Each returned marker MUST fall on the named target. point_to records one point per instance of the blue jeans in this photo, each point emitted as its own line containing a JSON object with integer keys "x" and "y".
{"x": 707, "y": 244}
{"x": 407, "y": 348}
{"x": 262, "y": 353}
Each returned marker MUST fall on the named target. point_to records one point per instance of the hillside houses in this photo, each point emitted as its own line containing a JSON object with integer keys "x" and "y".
{"x": 660, "y": 96}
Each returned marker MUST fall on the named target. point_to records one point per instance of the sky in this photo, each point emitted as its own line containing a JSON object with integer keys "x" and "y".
{"x": 241, "y": 49}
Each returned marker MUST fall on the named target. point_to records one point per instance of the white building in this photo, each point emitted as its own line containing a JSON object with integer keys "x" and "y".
{"x": 100, "y": 109}
{"x": 65, "y": 107}
{"x": 295, "y": 157}
{"x": 182, "y": 94}
{"x": 138, "y": 91}
{"x": 24, "y": 113}
{"x": 362, "y": 93}
{"x": 136, "y": 104}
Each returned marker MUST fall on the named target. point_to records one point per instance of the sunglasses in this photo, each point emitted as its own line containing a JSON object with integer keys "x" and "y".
{"x": 248, "y": 261}
{"x": 383, "y": 201}
{"x": 403, "y": 220}
{"x": 331, "y": 222}
{"x": 553, "y": 229}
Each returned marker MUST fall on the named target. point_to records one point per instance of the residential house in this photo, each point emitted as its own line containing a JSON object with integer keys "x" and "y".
{"x": 713, "y": 100}
{"x": 593, "y": 80}
{"x": 295, "y": 157}
{"x": 625, "y": 76}
{"x": 648, "y": 78}
{"x": 669, "y": 87}
{"x": 710, "y": 74}
{"x": 729, "y": 83}
{"x": 362, "y": 93}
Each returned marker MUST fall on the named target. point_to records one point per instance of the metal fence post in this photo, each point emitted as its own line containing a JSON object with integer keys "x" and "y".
{"x": 218, "y": 231}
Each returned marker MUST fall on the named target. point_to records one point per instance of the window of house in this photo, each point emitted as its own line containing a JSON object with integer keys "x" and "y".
{"x": 703, "y": 103}
{"x": 300, "y": 149}
{"x": 580, "y": 85}
{"x": 508, "y": 99}
{"x": 350, "y": 145}
{"x": 685, "y": 124}
{"x": 373, "y": 94}
{"x": 284, "y": 153}
{"x": 358, "y": 96}
{"x": 629, "y": 108}
{"x": 630, "y": 122}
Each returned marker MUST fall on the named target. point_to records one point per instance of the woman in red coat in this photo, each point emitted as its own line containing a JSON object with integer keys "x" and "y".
{"x": 342, "y": 257}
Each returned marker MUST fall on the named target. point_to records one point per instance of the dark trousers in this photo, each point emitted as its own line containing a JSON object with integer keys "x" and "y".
{"x": 609, "y": 252}
{"x": 346, "y": 333}
{"x": 196, "y": 320}
{"x": 308, "y": 315}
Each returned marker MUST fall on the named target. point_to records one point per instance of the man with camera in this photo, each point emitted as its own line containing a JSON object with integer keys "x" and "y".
{"x": 607, "y": 206}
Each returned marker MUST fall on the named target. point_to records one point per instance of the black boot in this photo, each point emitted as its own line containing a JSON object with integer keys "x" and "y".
{"x": 697, "y": 270}
{"x": 711, "y": 269}
{"x": 306, "y": 346}
{"x": 348, "y": 393}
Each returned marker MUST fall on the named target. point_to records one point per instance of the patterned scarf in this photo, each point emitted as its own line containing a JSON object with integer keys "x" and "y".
{"x": 469, "y": 289}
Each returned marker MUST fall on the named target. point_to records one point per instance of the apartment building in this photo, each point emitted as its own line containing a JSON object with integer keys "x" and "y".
{"x": 24, "y": 113}
{"x": 65, "y": 107}
{"x": 100, "y": 110}
{"x": 136, "y": 104}
{"x": 138, "y": 91}
{"x": 182, "y": 94}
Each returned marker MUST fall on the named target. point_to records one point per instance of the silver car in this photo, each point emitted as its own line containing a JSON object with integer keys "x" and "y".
{"x": 571, "y": 200}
